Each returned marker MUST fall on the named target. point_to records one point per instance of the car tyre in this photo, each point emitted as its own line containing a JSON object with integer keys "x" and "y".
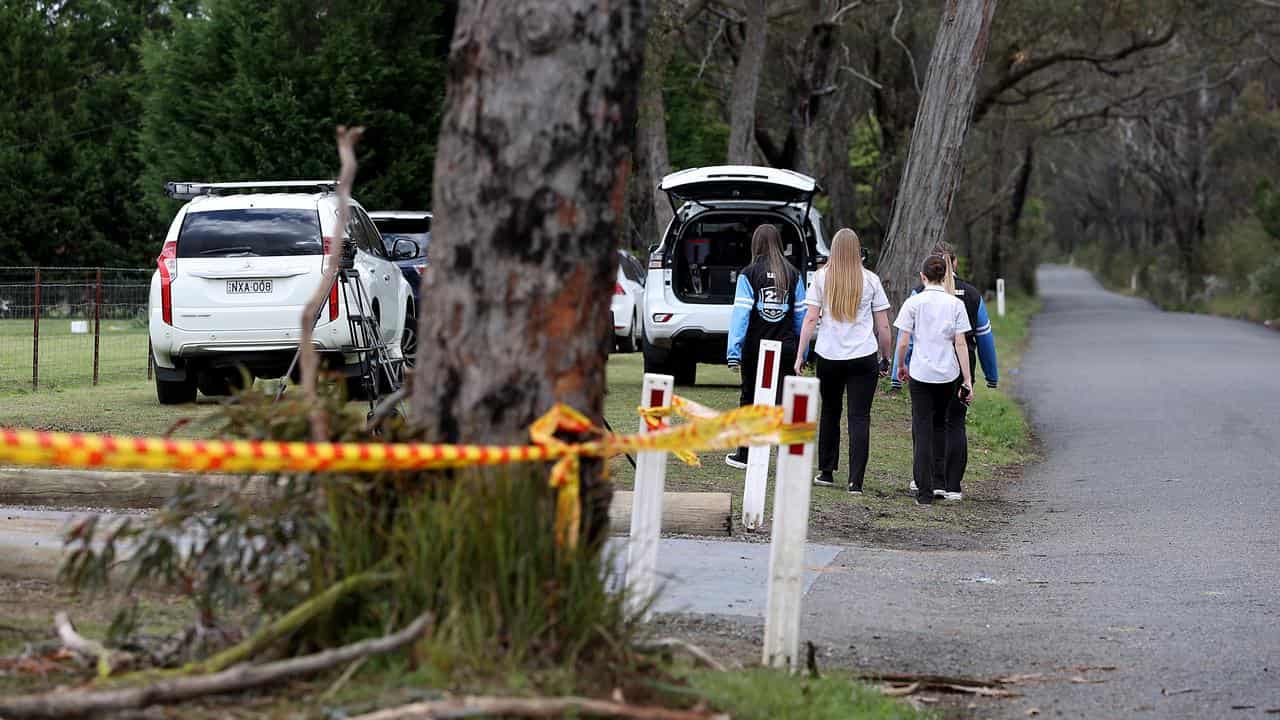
{"x": 630, "y": 342}
{"x": 179, "y": 392}
{"x": 409, "y": 336}
{"x": 220, "y": 383}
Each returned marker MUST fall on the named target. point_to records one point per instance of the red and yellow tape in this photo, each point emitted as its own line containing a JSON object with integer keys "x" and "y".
{"x": 703, "y": 430}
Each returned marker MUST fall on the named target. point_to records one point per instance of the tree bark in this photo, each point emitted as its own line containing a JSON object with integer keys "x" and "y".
{"x": 531, "y": 179}
{"x": 746, "y": 84}
{"x": 935, "y": 158}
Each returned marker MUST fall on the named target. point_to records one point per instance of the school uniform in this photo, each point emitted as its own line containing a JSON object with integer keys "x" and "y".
{"x": 982, "y": 350}
{"x": 763, "y": 311}
{"x": 848, "y": 367}
{"x": 933, "y": 317}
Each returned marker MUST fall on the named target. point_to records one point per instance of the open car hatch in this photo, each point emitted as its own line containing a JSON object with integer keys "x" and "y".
{"x": 738, "y": 182}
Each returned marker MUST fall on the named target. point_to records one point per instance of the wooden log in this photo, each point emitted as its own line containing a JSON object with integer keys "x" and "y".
{"x": 683, "y": 513}
{"x": 104, "y": 488}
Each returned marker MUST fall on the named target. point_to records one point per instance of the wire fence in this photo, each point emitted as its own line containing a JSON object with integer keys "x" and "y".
{"x": 62, "y": 326}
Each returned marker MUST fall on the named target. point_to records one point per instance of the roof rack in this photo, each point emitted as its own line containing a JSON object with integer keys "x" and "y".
{"x": 192, "y": 190}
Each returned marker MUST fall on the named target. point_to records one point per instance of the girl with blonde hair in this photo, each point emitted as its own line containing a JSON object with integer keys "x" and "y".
{"x": 852, "y": 351}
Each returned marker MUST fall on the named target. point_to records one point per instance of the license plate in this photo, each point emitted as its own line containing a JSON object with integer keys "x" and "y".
{"x": 248, "y": 287}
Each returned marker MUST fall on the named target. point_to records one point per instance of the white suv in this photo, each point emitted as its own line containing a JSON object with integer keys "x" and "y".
{"x": 693, "y": 272}
{"x": 238, "y": 265}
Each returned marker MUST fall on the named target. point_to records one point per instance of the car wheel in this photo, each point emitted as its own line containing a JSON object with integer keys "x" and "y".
{"x": 409, "y": 337}
{"x": 178, "y": 392}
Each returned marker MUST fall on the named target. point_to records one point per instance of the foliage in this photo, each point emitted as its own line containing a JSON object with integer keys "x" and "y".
{"x": 246, "y": 91}
{"x": 696, "y": 134}
{"x": 476, "y": 547}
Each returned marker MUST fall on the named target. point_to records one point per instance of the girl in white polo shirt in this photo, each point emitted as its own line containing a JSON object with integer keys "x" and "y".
{"x": 852, "y": 350}
{"x": 939, "y": 369}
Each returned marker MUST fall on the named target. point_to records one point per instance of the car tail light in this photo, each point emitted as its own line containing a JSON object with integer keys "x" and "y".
{"x": 422, "y": 269}
{"x": 661, "y": 317}
{"x": 333, "y": 301}
{"x": 617, "y": 289}
{"x": 168, "y": 265}
{"x": 655, "y": 262}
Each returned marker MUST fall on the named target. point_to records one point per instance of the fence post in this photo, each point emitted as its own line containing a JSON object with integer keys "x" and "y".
{"x": 1000, "y": 297}
{"x": 646, "y": 504}
{"x": 97, "y": 322}
{"x": 35, "y": 337}
{"x": 790, "y": 530}
{"x": 767, "y": 367}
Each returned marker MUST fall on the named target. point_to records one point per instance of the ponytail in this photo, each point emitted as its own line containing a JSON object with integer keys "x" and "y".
{"x": 949, "y": 282}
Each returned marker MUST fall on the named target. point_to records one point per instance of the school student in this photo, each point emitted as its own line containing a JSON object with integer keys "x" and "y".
{"x": 852, "y": 351}
{"x": 981, "y": 344}
{"x": 768, "y": 305}
{"x": 934, "y": 322}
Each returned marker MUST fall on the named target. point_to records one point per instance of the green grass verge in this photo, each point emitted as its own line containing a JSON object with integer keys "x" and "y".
{"x": 762, "y": 694}
{"x": 66, "y": 359}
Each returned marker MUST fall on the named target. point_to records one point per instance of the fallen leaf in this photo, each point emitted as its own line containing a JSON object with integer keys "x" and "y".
{"x": 1184, "y": 691}
{"x": 1020, "y": 678}
{"x": 1082, "y": 680}
{"x": 983, "y": 691}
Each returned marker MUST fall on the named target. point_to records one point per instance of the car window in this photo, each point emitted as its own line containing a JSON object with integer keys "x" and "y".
{"x": 631, "y": 269}
{"x": 394, "y": 229}
{"x": 371, "y": 232}
{"x": 357, "y": 233}
{"x": 250, "y": 232}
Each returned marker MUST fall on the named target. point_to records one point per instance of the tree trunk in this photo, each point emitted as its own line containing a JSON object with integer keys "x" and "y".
{"x": 652, "y": 158}
{"x": 746, "y": 84}
{"x": 935, "y": 158}
{"x": 531, "y": 177}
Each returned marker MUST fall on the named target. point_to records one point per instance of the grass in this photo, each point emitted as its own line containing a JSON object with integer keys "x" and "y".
{"x": 66, "y": 359}
{"x": 763, "y": 694}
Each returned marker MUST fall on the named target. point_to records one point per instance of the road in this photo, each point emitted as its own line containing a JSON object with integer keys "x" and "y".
{"x": 1149, "y": 541}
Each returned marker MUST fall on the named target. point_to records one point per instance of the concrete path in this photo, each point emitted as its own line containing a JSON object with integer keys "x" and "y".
{"x": 1151, "y": 542}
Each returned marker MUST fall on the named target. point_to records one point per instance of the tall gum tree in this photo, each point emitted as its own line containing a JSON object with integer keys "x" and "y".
{"x": 531, "y": 176}
{"x": 935, "y": 160}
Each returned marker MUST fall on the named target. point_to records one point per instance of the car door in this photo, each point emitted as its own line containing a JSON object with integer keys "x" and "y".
{"x": 386, "y": 280}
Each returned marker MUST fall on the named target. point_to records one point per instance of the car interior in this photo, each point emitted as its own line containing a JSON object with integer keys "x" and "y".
{"x": 714, "y": 248}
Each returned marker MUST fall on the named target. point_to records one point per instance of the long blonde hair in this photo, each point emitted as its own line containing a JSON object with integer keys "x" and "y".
{"x": 766, "y": 247}
{"x": 844, "y": 280}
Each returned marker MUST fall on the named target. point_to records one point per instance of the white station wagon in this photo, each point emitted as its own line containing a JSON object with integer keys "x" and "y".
{"x": 238, "y": 265}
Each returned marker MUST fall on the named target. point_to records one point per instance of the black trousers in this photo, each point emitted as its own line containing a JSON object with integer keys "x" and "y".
{"x": 951, "y": 447}
{"x": 930, "y": 405}
{"x": 748, "y": 379}
{"x": 855, "y": 381}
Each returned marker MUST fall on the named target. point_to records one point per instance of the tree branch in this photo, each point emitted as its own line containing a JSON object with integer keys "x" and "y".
{"x": 79, "y": 703}
{"x": 893, "y": 33}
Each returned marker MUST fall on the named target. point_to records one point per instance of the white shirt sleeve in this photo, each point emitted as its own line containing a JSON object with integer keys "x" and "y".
{"x": 813, "y": 298}
{"x": 962, "y": 319}
{"x": 906, "y": 317}
{"x": 879, "y": 301}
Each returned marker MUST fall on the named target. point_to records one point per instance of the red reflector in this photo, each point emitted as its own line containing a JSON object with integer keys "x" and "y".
{"x": 617, "y": 289}
{"x": 661, "y": 317}
{"x": 799, "y": 413}
{"x": 655, "y": 398}
{"x": 767, "y": 381}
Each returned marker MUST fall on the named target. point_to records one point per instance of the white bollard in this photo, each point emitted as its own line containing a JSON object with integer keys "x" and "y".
{"x": 1000, "y": 297}
{"x": 646, "y": 506}
{"x": 790, "y": 530}
{"x": 768, "y": 366}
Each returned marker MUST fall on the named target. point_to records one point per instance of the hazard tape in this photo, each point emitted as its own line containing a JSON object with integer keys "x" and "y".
{"x": 704, "y": 429}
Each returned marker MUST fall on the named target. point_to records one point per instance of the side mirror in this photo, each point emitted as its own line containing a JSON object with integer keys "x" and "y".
{"x": 404, "y": 249}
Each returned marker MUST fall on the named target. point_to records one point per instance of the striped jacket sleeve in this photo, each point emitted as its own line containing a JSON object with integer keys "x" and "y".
{"x": 987, "y": 346}
{"x": 744, "y": 301}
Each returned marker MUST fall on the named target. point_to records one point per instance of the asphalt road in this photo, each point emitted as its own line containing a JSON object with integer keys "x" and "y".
{"x": 1149, "y": 542}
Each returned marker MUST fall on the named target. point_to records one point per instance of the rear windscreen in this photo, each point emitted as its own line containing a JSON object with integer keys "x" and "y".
{"x": 419, "y": 231}
{"x": 250, "y": 232}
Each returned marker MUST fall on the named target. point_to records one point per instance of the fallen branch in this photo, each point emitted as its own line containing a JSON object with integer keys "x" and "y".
{"x": 287, "y": 624}
{"x": 92, "y": 650}
{"x": 668, "y": 644}
{"x": 67, "y": 704}
{"x": 534, "y": 707}
{"x": 907, "y": 678}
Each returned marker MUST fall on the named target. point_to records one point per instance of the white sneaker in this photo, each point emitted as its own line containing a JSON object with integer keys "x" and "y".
{"x": 939, "y": 493}
{"x": 732, "y": 461}
{"x": 953, "y": 497}
{"x": 912, "y": 487}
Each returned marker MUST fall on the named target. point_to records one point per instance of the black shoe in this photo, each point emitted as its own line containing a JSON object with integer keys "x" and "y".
{"x": 737, "y": 459}
{"x": 924, "y": 499}
{"x": 824, "y": 479}
{"x": 855, "y": 490}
